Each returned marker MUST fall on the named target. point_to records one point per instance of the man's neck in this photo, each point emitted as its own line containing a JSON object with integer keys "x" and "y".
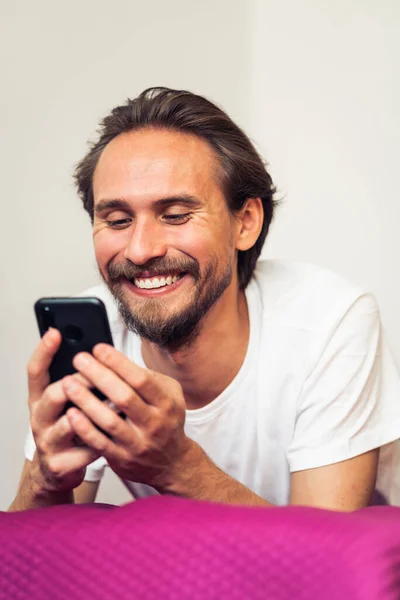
{"x": 211, "y": 362}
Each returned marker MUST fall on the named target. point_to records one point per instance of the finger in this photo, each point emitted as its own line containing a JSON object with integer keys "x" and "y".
{"x": 91, "y": 436}
{"x": 82, "y": 380}
{"x": 113, "y": 387}
{"x": 54, "y": 399}
{"x": 51, "y": 406}
{"x": 152, "y": 387}
{"x": 60, "y": 436}
{"x": 72, "y": 460}
{"x": 40, "y": 361}
{"x": 99, "y": 413}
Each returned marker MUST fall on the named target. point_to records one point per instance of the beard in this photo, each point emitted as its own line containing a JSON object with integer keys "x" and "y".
{"x": 150, "y": 318}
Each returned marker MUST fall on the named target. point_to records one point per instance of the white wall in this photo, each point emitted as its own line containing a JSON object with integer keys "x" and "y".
{"x": 316, "y": 83}
{"x": 325, "y": 98}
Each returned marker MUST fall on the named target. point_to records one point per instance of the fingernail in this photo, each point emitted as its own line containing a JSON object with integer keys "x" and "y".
{"x": 72, "y": 414}
{"x": 49, "y": 336}
{"x": 70, "y": 385}
{"x": 100, "y": 351}
{"x": 81, "y": 360}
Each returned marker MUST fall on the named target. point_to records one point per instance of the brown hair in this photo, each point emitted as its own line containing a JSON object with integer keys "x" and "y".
{"x": 243, "y": 173}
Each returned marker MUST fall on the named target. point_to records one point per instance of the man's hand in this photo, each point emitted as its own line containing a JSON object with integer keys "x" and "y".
{"x": 58, "y": 465}
{"x": 150, "y": 445}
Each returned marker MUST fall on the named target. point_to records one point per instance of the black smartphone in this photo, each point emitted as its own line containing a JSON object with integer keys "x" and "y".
{"x": 82, "y": 322}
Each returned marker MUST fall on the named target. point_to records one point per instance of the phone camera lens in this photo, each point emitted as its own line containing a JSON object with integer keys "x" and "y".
{"x": 73, "y": 334}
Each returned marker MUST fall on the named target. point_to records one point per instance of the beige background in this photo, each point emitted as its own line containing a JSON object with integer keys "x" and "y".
{"x": 315, "y": 84}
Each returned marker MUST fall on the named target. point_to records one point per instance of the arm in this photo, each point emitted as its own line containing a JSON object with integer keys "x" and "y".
{"x": 31, "y": 495}
{"x": 197, "y": 477}
{"x": 86, "y": 492}
{"x": 346, "y": 486}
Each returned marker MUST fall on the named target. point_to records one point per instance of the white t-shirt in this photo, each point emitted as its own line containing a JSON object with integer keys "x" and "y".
{"x": 318, "y": 385}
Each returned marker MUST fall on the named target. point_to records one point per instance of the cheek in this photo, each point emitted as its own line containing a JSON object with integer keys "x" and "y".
{"x": 206, "y": 244}
{"x": 107, "y": 245}
{"x": 195, "y": 242}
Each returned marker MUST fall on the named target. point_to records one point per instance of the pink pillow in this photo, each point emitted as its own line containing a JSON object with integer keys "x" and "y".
{"x": 171, "y": 549}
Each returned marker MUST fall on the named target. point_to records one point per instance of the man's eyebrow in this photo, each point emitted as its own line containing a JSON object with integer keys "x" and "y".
{"x": 103, "y": 205}
{"x": 186, "y": 199}
{"x": 124, "y": 205}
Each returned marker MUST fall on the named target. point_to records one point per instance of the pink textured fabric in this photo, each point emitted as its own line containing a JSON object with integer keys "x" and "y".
{"x": 172, "y": 549}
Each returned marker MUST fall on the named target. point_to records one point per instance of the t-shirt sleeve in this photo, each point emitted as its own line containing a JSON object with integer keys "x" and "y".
{"x": 94, "y": 471}
{"x": 350, "y": 402}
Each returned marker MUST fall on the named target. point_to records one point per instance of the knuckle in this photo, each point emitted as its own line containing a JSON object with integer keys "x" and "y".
{"x": 54, "y": 468}
{"x": 125, "y": 401}
{"x": 142, "y": 378}
{"x": 81, "y": 379}
{"x": 169, "y": 407}
{"x": 146, "y": 449}
{"x": 106, "y": 352}
{"x": 102, "y": 445}
{"x": 175, "y": 389}
{"x": 150, "y": 374}
{"x": 64, "y": 426}
{"x": 113, "y": 426}
{"x": 35, "y": 427}
{"x": 94, "y": 439}
{"x": 154, "y": 428}
{"x": 34, "y": 369}
{"x": 104, "y": 380}
{"x": 54, "y": 393}
{"x": 44, "y": 447}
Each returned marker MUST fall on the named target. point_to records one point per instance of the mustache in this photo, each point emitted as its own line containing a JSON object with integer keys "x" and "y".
{"x": 129, "y": 270}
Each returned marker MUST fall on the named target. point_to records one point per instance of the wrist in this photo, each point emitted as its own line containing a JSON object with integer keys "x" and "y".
{"x": 43, "y": 496}
{"x": 186, "y": 470}
{"x": 43, "y": 493}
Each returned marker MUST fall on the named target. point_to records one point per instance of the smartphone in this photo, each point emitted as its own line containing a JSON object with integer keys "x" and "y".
{"x": 83, "y": 323}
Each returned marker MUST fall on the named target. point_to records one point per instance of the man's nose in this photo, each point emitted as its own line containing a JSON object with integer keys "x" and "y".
{"x": 147, "y": 241}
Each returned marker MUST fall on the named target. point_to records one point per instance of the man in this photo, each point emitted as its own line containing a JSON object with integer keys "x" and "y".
{"x": 243, "y": 383}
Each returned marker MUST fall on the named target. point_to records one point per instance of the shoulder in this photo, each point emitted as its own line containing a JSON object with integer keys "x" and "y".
{"x": 308, "y": 296}
{"x": 291, "y": 277}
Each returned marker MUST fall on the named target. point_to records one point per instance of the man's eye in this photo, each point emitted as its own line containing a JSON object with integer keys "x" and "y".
{"x": 177, "y": 219}
{"x": 119, "y": 223}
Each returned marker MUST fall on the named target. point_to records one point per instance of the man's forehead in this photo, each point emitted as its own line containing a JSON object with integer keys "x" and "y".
{"x": 154, "y": 158}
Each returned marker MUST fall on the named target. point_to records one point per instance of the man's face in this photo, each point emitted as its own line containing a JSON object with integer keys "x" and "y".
{"x": 163, "y": 236}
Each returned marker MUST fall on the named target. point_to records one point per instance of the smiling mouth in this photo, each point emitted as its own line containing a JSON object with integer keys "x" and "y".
{"x": 158, "y": 281}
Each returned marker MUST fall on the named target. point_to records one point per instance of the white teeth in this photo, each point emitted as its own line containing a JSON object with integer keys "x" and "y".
{"x": 155, "y": 282}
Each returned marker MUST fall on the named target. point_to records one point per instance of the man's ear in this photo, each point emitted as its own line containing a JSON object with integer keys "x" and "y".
{"x": 249, "y": 222}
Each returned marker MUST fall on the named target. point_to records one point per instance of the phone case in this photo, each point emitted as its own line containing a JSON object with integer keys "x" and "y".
{"x": 83, "y": 323}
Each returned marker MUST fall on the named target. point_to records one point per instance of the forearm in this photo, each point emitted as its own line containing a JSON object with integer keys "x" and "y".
{"x": 31, "y": 494}
{"x": 197, "y": 477}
